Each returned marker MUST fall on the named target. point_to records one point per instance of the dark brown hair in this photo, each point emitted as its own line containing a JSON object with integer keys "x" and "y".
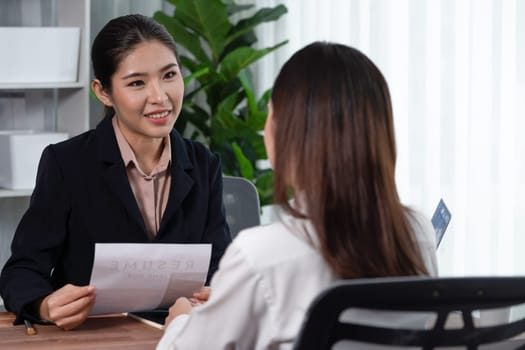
{"x": 119, "y": 36}
{"x": 335, "y": 145}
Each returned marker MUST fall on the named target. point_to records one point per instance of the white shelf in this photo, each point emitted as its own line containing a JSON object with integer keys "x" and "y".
{"x": 53, "y": 106}
{"x": 7, "y": 193}
{"x": 36, "y": 86}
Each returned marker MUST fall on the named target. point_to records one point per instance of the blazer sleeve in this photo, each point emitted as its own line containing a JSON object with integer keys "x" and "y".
{"x": 239, "y": 292}
{"x": 37, "y": 242}
{"x": 217, "y": 231}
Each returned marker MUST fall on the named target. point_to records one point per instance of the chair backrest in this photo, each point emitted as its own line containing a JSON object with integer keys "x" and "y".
{"x": 241, "y": 202}
{"x": 329, "y": 320}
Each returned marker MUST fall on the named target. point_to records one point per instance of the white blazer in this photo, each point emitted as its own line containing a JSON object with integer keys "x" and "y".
{"x": 266, "y": 280}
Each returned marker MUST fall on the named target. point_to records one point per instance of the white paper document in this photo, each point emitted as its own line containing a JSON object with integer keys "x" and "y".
{"x": 132, "y": 277}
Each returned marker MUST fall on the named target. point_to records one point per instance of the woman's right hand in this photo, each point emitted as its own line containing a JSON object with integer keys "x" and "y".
{"x": 182, "y": 306}
{"x": 68, "y": 307}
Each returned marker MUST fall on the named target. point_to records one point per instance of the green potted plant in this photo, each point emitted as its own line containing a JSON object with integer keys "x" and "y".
{"x": 220, "y": 106}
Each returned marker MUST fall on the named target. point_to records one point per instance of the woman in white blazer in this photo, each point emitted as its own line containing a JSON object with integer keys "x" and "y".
{"x": 330, "y": 139}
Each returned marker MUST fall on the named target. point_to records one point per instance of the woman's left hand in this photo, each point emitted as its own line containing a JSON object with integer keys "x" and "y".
{"x": 201, "y": 296}
{"x": 181, "y": 306}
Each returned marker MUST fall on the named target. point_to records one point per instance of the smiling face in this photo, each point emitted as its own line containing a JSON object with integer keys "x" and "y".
{"x": 146, "y": 92}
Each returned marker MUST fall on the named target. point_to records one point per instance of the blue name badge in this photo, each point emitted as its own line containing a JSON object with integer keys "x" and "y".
{"x": 440, "y": 220}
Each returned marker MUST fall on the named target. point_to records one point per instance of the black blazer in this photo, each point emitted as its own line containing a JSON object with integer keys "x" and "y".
{"x": 82, "y": 197}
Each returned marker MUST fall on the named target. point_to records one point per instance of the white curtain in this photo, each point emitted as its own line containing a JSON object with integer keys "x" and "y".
{"x": 456, "y": 71}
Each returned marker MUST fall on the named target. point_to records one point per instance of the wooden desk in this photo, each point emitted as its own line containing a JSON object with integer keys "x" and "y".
{"x": 108, "y": 332}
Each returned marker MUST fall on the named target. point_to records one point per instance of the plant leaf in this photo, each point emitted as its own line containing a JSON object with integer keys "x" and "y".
{"x": 182, "y": 36}
{"x": 196, "y": 75}
{"x": 220, "y": 106}
{"x": 241, "y": 58}
{"x": 198, "y": 117}
{"x": 245, "y": 166}
{"x": 248, "y": 89}
{"x": 209, "y": 19}
{"x": 246, "y": 25}
{"x": 234, "y": 8}
{"x": 264, "y": 184}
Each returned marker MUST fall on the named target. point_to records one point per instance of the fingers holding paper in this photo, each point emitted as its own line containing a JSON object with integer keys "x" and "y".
{"x": 69, "y": 306}
{"x": 184, "y": 305}
{"x": 181, "y": 306}
{"x": 201, "y": 296}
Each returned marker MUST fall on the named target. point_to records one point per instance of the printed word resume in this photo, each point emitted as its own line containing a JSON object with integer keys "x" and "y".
{"x": 134, "y": 276}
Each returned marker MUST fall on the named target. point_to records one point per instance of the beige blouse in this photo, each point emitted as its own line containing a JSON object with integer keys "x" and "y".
{"x": 151, "y": 190}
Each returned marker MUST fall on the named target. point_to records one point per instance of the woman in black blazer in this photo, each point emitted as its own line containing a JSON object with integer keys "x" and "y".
{"x": 83, "y": 194}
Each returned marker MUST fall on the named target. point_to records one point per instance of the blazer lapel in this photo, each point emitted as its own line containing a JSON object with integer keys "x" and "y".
{"x": 181, "y": 182}
{"x": 114, "y": 172}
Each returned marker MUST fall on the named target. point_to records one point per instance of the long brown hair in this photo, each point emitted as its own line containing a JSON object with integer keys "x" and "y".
{"x": 334, "y": 141}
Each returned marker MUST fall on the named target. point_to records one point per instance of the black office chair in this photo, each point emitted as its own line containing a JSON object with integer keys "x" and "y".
{"x": 433, "y": 303}
{"x": 241, "y": 202}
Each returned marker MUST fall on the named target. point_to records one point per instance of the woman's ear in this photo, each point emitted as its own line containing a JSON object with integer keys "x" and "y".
{"x": 101, "y": 93}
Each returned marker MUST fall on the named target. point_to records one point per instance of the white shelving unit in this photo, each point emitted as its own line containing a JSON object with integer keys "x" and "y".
{"x": 71, "y": 110}
{"x": 66, "y": 104}
{"x": 42, "y": 86}
{"x": 62, "y": 107}
{"x": 7, "y": 193}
